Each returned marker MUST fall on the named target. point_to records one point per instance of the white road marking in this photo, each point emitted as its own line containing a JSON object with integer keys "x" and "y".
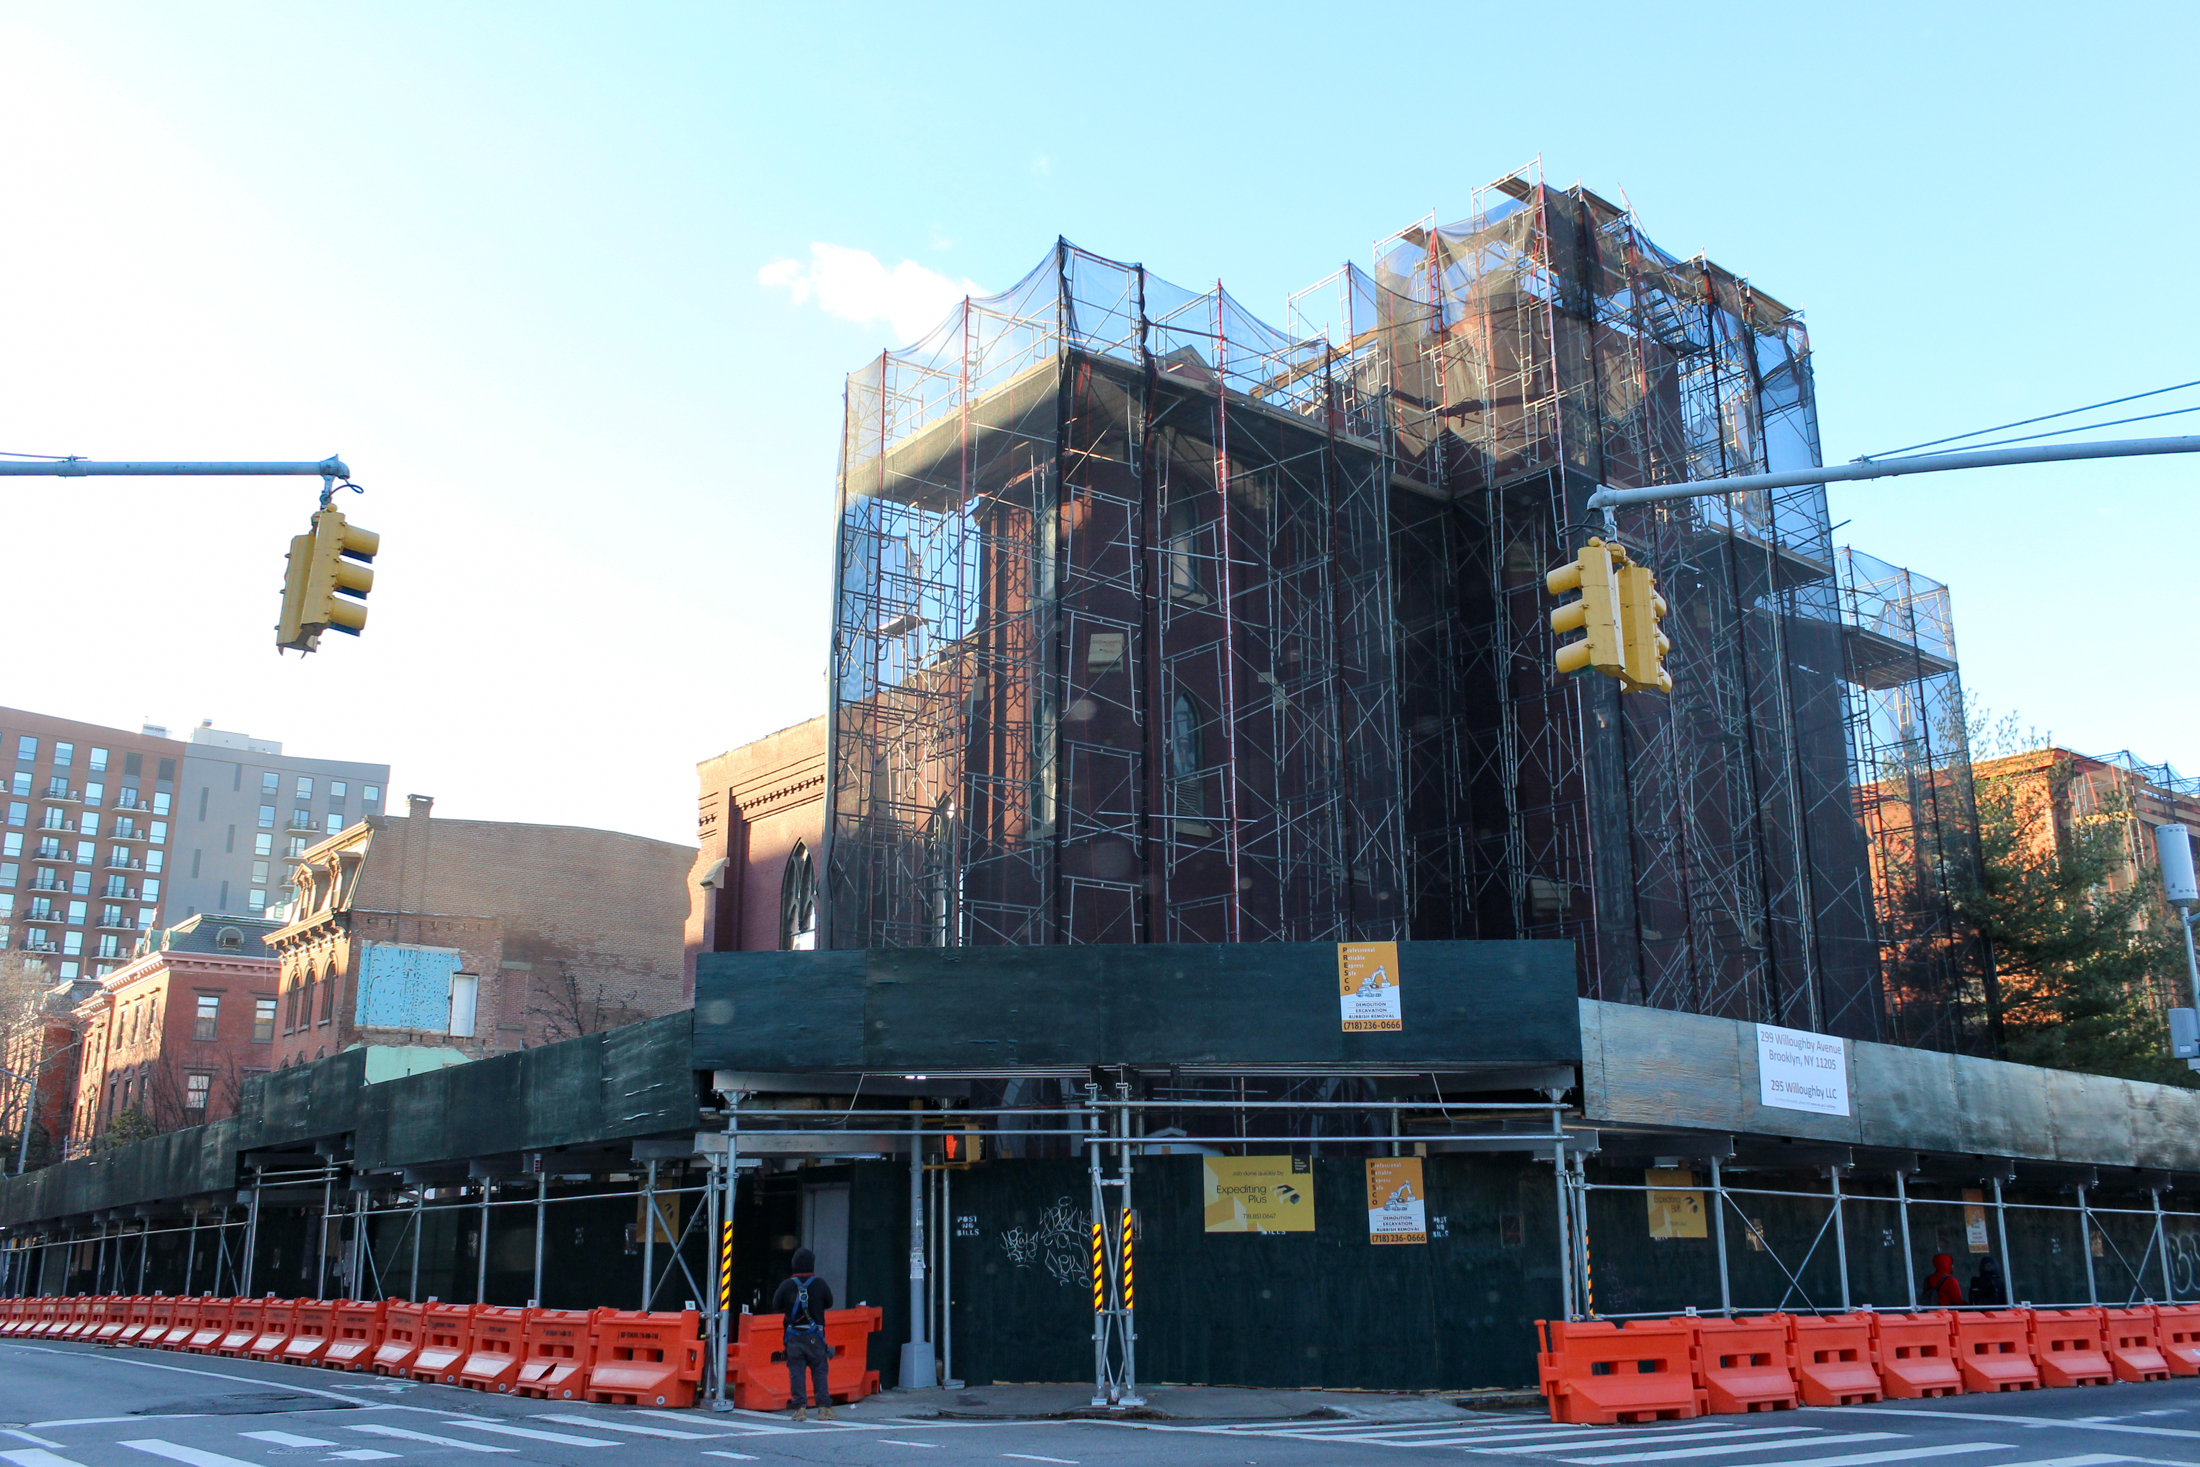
{"x": 1701, "y": 1450}
{"x": 1900, "y": 1454}
{"x": 737, "y": 1456}
{"x": 422, "y": 1436}
{"x": 289, "y": 1439}
{"x": 2183, "y": 1432}
{"x": 25, "y": 1436}
{"x": 890, "y": 1442}
{"x": 365, "y": 1454}
{"x": 1603, "y": 1436}
{"x": 36, "y": 1458}
{"x": 563, "y": 1438}
{"x": 190, "y": 1456}
{"x": 258, "y": 1380}
{"x": 1028, "y": 1457}
{"x": 600, "y": 1424}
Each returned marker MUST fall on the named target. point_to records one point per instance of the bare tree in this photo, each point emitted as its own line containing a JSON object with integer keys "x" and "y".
{"x": 564, "y": 1005}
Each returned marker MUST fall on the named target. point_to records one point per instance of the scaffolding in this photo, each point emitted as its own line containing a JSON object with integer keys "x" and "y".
{"x": 1111, "y": 653}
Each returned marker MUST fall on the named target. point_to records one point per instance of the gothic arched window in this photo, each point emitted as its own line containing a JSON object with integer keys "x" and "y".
{"x": 798, "y": 901}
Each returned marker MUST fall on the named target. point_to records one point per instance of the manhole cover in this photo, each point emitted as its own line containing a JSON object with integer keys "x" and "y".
{"x": 255, "y": 1403}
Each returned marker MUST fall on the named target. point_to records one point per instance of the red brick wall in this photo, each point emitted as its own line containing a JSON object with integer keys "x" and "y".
{"x": 756, "y": 803}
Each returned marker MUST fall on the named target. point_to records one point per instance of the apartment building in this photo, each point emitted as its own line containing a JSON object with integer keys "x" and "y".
{"x": 86, "y": 846}
{"x": 169, "y": 1039}
{"x": 245, "y": 813}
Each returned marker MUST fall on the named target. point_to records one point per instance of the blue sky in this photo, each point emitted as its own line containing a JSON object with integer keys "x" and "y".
{"x": 574, "y": 288}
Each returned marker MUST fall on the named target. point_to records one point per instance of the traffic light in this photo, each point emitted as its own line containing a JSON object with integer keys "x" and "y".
{"x": 1641, "y": 609}
{"x": 326, "y": 583}
{"x": 1594, "y": 573}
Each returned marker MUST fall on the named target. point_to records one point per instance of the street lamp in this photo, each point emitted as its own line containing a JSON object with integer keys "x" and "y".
{"x": 2173, "y": 845}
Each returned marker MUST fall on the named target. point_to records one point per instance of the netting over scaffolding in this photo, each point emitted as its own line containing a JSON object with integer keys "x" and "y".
{"x": 1111, "y": 643}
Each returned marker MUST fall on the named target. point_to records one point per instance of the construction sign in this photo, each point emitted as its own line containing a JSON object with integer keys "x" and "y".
{"x": 1367, "y": 986}
{"x": 1397, "y": 1208}
{"x": 1676, "y": 1205}
{"x": 1259, "y": 1194}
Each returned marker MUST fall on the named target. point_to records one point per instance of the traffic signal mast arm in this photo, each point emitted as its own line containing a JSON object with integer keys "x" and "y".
{"x": 78, "y": 468}
{"x": 1924, "y": 463}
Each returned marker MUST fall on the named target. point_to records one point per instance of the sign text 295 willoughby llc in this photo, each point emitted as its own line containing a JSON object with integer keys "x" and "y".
{"x": 1799, "y": 1070}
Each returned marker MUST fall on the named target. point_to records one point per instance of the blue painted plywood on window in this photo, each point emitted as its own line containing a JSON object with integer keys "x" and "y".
{"x": 402, "y": 986}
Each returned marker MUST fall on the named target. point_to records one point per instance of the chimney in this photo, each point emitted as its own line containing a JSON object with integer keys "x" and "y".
{"x": 418, "y": 806}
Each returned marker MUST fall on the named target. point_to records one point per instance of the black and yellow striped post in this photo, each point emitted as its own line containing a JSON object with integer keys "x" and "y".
{"x": 1099, "y": 1271}
{"x": 725, "y": 1267}
{"x": 1127, "y": 1300}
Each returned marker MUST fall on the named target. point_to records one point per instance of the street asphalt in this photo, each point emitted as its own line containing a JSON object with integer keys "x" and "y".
{"x": 69, "y": 1405}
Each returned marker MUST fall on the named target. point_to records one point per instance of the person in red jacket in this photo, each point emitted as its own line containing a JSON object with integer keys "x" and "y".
{"x": 1940, "y": 1285}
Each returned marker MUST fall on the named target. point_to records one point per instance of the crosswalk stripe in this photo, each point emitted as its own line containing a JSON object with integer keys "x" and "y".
{"x": 365, "y": 1454}
{"x": 36, "y": 1457}
{"x": 1905, "y": 1454}
{"x": 289, "y": 1439}
{"x": 599, "y": 1424}
{"x": 562, "y": 1438}
{"x": 1603, "y": 1436}
{"x": 191, "y": 1456}
{"x": 737, "y": 1456}
{"x": 423, "y": 1436}
{"x": 1701, "y": 1450}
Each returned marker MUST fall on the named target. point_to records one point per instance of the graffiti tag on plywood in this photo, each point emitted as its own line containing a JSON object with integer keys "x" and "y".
{"x": 1056, "y": 1244}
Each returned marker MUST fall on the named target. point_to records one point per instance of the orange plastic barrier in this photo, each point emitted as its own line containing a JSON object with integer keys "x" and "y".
{"x": 2135, "y": 1344}
{"x": 1743, "y": 1365}
{"x": 448, "y": 1331}
{"x": 276, "y": 1327}
{"x": 848, "y": 1332}
{"x": 115, "y": 1318}
{"x": 499, "y": 1347}
{"x": 355, "y": 1335}
{"x": 84, "y": 1320}
{"x": 140, "y": 1319}
{"x": 555, "y": 1351}
{"x": 1596, "y": 1374}
{"x": 756, "y": 1367}
{"x": 45, "y": 1316}
{"x": 23, "y": 1314}
{"x": 160, "y": 1316}
{"x": 311, "y": 1330}
{"x": 2070, "y": 1346}
{"x": 1994, "y": 1350}
{"x": 183, "y": 1322}
{"x": 404, "y": 1331}
{"x": 245, "y": 1318}
{"x": 1833, "y": 1359}
{"x": 214, "y": 1317}
{"x": 1915, "y": 1355}
{"x": 645, "y": 1359}
{"x": 2177, "y": 1333}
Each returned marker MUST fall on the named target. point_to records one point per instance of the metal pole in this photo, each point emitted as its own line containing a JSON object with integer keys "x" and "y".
{"x": 542, "y": 1200}
{"x": 30, "y": 1110}
{"x": 1565, "y": 1237}
{"x": 2085, "y": 1246}
{"x": 1126, "y": 1237}
{"x": 649, "y": 1237}
{"x": 2008, "y": 1264}
{"x": 77, "y": 468}
{"x": 714, "y": 1311}
{"x": 481, "y": 1250}
{"x": 946, "y": 1331}
{"x": 145, "y": 1251}
{"x": 362, "y": 1255}
{"x": 328, "y": 1200}
{"x": 917, "y": 1372}
{"x": 2161, "y": 1241}
{"x": 1980, "y": 458}
{"x": 1103, "y": 1392}
{"x": 1840, "y": 1237}
{"x": 1909, "y": 1261}
{"x": 420, "y": 1196}
{"x": 252, "y": 1232}
{"x": 1718, "y": 1210}
{"x": 191, "y": 1255}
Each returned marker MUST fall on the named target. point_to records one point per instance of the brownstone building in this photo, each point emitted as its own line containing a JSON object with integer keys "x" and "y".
{"x": 2056, "y": 790}
{"x": 85, "y": 846}
{"x": 431, "y": 941}
{"x": 760, "y": 820}
{"x": 169, "y": 1039}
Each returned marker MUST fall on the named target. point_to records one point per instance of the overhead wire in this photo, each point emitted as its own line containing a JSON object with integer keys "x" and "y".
{"x": 2045, "y": 418}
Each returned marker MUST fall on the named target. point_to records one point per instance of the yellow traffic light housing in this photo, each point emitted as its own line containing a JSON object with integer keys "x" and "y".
{"x": 1641, "y": 609}
{"x": 1594, "y": 573}
{"x": 326, "y": 584}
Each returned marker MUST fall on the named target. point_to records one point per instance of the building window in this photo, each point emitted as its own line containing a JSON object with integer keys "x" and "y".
{"x": 1187, "y": 797}
{"x": 336, "y": 791}
{"x": 18, "y": 812}
{"x": 259, "y": 872}
{"x": 88, "y": 824}
{"x": 11, "y": 844}
{"x": 263, "y": 845}
{"x": 301, "y": 818}
{"x": 267, "y": 817}
{"x": 99, "y": 761}
{"x": 160, "y": 799}
{"x": 372, "y": 794}
{"x": 335, "y": 823}
{"x": 195, "y": 1090}
{"x": 150, "y": 891}
{"x": 155, "y": 860}
{"x": 159, "y": 833}
{"x": 10, "y": 873}
{"x": 296, "y": 848}
{"x": 206, "y": 1023}
{"x": 798, "y": 901}
{"x": 255, "y": 900}
{"x": 328, "y": 997}
{"x": 78, "y": 911}
{"x": 263, "y": 1021}
{"x": 270, "y": 782}
{"x": 110, "y": 915}
{"x": 464, "y": 988}
{"x": 147, "y": 916}
{"x": 26, "y": 748}
{"x": 63, "y": 755}
{"x": 72, "y": 944}
{"x": 305, "y": 787}
{"x": 86, "y": 850}
{"x": 110, "y": 946}
{"x": 94, "y": 793}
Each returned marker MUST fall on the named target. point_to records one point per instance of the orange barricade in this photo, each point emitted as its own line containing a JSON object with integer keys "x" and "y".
{"x": 45, "y": 1316}
{"x": 404, "y": 1331}
{"x": 355, "y": 1335}
{"x": 555, "y": 1350}
{"x": 848, "y": 1333}
{"x": 214, "y": 1317}
{"x": 140, "y": 1319}
{"x": 756, "y": 1367}
{"x": 2070, "y": 1346}
{"x": 1596, "y": 1374}
{"x": 23, "y": 1316}
{"x": 85, "y": 1318}
{"x": 115, "y": 1318}
{"x": 448, "y": 1331}
{"x": 2177, "y": 1332}
{"x": 645, "y": 1359}
{"x": 1915, "y": 1355}
{"x": 1833, "y": 1359}
{"x": 183, "y": 1322}
{"x": 1994, "y": 1350}
{"x": 498, "y": 1347}
{"x": 311, "y": 1329}
{"x": 160, "y": 1317}
{"x": 2135, "y": 1344}
{"x": 245, "y": 1318}
{"x": 276, "y": 1326}
{"x": 1743, "y": 1365}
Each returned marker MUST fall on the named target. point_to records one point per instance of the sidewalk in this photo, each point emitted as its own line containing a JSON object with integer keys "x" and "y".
{"x": 1195, "y": 1403}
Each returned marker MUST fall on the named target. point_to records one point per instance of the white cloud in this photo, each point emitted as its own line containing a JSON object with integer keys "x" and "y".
{"x": 857, "y": 286}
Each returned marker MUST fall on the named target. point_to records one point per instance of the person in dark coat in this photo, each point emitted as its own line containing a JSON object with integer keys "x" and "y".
{"x": 802, "y": 1301}
{"x": 1940, "y": 1285}
{"x": 1989, "y": 1287}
